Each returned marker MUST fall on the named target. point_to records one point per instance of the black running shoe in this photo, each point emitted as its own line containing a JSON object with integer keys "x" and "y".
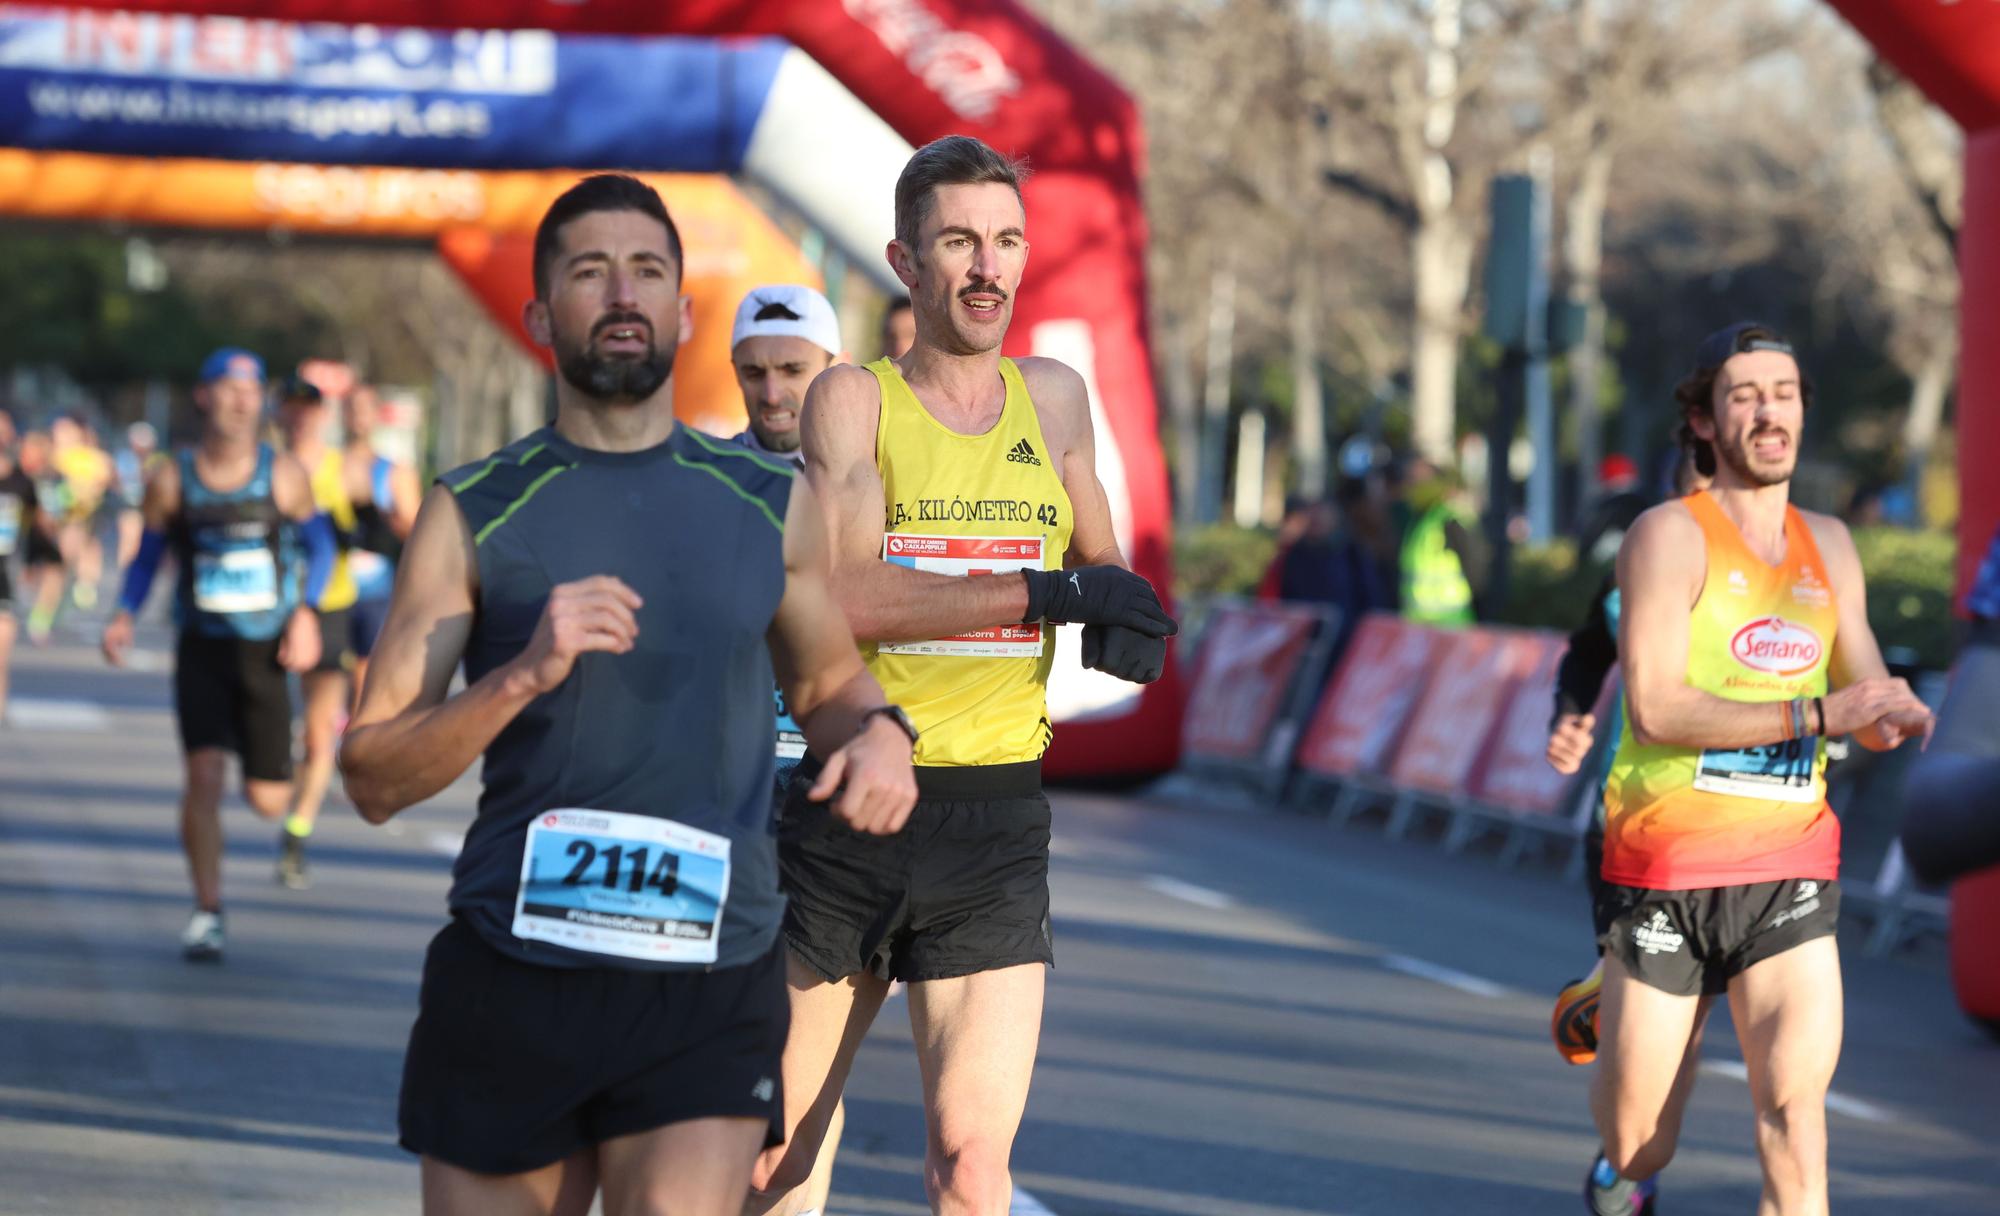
{"x": 292, "y": 869}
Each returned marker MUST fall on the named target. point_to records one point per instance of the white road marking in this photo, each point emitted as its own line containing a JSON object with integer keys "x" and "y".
{"x": 1839, "y": 1103}
{"x": 149, "y": 661}
{"x": 1027, "y": 1205}
{"x": 1187, "y": 892}
{"x": 41, "y": 713}
{"x": 1442, "y": 975}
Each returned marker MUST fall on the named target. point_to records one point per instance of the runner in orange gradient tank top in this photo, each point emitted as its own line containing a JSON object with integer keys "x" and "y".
{"x": 1745, "y": 642}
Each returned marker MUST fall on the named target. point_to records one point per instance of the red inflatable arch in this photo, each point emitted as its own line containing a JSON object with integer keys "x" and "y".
{"x": 1952, "y": 51}
{"x": 929, "y": 68}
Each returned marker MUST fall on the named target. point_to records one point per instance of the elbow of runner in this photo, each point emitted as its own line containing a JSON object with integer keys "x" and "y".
{"x": 1643, "y": 716}
{"x": 370, "y": 800}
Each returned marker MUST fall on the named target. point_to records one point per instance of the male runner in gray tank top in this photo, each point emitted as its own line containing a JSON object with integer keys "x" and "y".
{"x": 608, "y": 1007}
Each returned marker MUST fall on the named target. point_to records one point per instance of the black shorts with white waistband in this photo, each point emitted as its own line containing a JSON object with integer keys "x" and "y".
{"x": 964, "y": 888}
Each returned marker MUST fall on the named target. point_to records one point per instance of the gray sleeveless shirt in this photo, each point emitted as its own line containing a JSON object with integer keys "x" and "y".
{"x": 679, "y": 730}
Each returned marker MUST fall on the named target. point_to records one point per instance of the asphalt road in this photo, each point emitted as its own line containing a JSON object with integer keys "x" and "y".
{"x": 1253, "y": 1014}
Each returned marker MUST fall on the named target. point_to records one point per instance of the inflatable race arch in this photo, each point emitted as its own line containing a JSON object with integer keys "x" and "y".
{"x": 817, "y": 101}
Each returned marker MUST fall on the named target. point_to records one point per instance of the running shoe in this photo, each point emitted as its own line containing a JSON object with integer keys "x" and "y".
{"x": 84, "y": 595}
{"x": 293, "y": 872}
{"x": 201, "y": 941}
{"x": 1605, "y": 1193}
{"x": 1574, "y": 1023}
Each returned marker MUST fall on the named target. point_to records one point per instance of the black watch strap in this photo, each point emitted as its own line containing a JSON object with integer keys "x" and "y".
{"x": 895, "y": 714}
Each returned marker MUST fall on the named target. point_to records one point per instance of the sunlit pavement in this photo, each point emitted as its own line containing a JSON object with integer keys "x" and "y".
{"x": 1252, "y": 1014}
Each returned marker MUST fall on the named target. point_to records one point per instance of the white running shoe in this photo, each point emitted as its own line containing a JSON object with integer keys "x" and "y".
{"x": 201, "y": 941}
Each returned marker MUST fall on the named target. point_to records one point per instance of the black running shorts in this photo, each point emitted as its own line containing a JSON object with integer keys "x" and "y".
{"x": 1694, "y": 942}
{"x": 6, "y": 584}
{"x": 336, "y": 642}
{"x": 365, "y": 621}
{"x": 514, "y": 1066}
{"x": 230, "y": 693}
{"x": 963, "y": 889}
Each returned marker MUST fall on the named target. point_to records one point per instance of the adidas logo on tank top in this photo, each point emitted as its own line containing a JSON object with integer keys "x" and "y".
{"x": 1022, "y": 453}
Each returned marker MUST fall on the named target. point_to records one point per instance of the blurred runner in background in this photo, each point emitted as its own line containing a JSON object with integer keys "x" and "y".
{"x": 235, "y": 513}
{"x": 303, "y": 418}
{"x": 20, "y": 520}
{"x": 132, "y": 465}
{"x": 899, "y": 328}
{"x": 87, "y": 476}
{"x": 385, "y": 494}
{"x": 44, "y": 571}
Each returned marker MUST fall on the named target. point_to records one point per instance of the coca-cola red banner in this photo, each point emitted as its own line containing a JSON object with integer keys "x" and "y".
{"x": 1361, "y": 717}
{"x": 1250, "y": 656}
{"x": 1479, "y": 673}
{"x": 1514, "y": 774}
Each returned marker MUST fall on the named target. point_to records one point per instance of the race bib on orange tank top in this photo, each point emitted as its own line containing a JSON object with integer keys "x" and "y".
{"x": 1678, "y": 818}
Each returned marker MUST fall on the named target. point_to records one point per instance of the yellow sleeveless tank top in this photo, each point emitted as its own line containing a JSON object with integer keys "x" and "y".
{"x": 1678, "y": 818}
{"x": 969, "y": 504}
{"x": 329, "y": 487}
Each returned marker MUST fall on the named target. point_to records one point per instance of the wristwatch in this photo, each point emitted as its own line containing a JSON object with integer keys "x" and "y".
{"x": 895, "y": 714}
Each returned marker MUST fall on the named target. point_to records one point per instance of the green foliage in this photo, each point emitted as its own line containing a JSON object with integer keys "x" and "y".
{"x": 65, "y": 301}
{"x": 1221, "y": 559}
{"x": 1546, "y": 589}
{"x": 1909, "y": 589}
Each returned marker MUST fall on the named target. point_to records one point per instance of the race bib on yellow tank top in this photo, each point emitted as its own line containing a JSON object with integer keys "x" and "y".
{"x": 965, "y": 505}
{"x": 963, "y": 555}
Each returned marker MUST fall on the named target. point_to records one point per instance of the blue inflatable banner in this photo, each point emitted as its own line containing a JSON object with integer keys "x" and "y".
{"x": 156, "y": 84}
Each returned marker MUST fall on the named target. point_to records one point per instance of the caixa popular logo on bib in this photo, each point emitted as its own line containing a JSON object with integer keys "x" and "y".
{"x": 1777, "y": 646}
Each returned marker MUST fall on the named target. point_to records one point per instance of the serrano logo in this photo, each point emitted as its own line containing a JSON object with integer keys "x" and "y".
{"x": 1776, "y": 646}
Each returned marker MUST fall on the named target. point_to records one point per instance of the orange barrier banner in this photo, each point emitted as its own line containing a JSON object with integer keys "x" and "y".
{"x": 1361, "y": 716}
{"x": 343, "y": 200}
{"x": 1514, "y": 774}
{"x": 1471, "y": 685}
{"x": 1249, "y": 656}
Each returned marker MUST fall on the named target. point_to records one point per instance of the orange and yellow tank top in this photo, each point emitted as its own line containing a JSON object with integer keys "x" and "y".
{"x": 969, "y": 504}
{"x": 1677, "y": 818}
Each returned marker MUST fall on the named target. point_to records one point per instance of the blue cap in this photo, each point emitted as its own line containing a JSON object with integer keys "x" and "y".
{"x": 1716, "y": 349}
{"x": 231, "y": 362}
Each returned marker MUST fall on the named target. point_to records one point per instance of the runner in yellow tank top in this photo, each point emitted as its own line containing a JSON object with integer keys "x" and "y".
{"x": 304, "y": 416}
{"x": 1739, "y": 612}
{"x": 967, "y": 522}
{"x": 969, "y": 504}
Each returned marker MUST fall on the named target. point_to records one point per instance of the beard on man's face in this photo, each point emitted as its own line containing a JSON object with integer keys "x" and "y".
{"x": 613, "y": 378}
{"x": 1740, "y": 457}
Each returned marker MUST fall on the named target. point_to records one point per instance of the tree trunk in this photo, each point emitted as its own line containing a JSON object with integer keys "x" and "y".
{"x": 1583, "y": 262}
{"x": 1440, "y": 249}
{"x": 1308, "y": 398}
{"x": 1920, "y": 430}
{"x": 1215, "y": 393}
{"x": 1184, "y": 414}
{"x": 1441, "y": 266}
{"x": 1249, "y": 497}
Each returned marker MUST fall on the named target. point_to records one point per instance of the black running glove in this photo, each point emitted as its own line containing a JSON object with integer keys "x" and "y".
{"x": 1125, "y": 653}
{"x": 1097, "y": 595}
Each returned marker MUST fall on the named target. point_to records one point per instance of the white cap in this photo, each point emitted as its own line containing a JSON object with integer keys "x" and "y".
{"x": 787, "y": 310}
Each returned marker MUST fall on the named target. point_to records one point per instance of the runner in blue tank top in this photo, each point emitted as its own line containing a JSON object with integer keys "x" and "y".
{"x": 609, "y": 1002}
{"x": 237, "y": 517}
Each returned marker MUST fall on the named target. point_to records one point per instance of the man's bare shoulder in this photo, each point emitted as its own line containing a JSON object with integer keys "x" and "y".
{"x": 844, "y": 388}
{"x": 1664, "y": 530}
{"x": 1829, "y": 532}
{"x": 1061, "y": 400}
{"x": 1053, "y": 384}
